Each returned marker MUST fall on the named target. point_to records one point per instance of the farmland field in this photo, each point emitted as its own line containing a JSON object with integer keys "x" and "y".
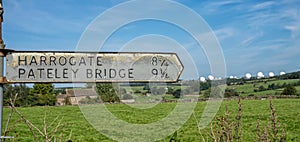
{"x": 249, "y": 87}
{"x": 77, "y": 128}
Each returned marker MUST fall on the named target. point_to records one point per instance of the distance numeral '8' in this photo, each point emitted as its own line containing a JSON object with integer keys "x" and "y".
{"x": 154, "y": 61}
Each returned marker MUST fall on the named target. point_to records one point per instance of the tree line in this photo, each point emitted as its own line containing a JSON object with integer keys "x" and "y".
{"x": 42, "y": 94}
{"x": 38, "y": 95}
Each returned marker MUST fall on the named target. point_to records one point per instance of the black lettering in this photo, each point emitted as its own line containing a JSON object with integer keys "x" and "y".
{"x": 62, "y": 60}
{"x": 21, "y": 72}
{"x": 112, "y": 73}
{"x": 91, "y": 59}
{"x": 52, "y": 60}
{"x": 98, "y": 73}
{"x": 89, "y": 73}
{"x": 82, "y": 61}
{"x": 49, "y": 73}
{"x": 104, "y": 70}
{"x": 30, "y": 74}
{"x": 56, "y": 74}
{"x": 40, "y": 69}
{"x": 122, "y": 73}
{"x": 65, "y": 73}
{"x": 155, "y": 72}
{"x": 43, "y": 60}
{"x": 130, "y": 73}
{"x": 24, "y": 60}
{"x": 71, "y": 61}
{"x": 99, "y": 61}
{"x": 75, "y": 72}
{"x": 33, "y": 60}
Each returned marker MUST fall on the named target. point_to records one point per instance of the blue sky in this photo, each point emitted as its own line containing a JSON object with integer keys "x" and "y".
{"x": 254, "y": 35}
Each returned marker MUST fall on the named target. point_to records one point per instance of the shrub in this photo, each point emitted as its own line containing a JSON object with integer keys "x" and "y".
{"x": 289, "y": 90}
{"x": 107, "y": 92}
{"x": 137, "y": 91}
{"x": 177, "y": 93}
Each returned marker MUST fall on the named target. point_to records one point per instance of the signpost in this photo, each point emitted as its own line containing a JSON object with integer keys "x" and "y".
{"x": 1, "y": 69}
{"x": 84, "y": 67}
{"x": 77, "y": 67}
{"x": 62, "y": 67}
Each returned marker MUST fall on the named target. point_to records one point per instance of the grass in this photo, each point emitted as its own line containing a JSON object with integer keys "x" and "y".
{"x": 288, "y": 112}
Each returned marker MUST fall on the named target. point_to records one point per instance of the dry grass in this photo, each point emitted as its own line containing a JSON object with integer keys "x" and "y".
{"x": 227, "y": 128}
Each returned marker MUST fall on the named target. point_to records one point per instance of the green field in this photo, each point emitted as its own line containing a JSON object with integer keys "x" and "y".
{"x": 248, "y": 88}
{"x": 77, "y": 128}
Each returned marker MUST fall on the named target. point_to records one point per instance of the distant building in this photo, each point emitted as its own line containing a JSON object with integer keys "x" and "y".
{"x": 74, "y": 96}
{"x": 61, "y": 99}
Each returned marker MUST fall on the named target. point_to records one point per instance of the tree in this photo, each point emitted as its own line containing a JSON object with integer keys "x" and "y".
{"x": 289, "y": 90}
{"x": 23, "y": 94}
{"x": 205, "y": 85}
{"x": 42, "y": 94}
{"x": 262, "y": 88}
{"x": 271, "y": 86}
{"x": 170, "y": 90}
{"x": 122, "y": 91}
{"x": 230, "y": 92}
{"x": 8, "y": 93}
{"x": 177, "y": 93}
{"x": 107, "y": 92}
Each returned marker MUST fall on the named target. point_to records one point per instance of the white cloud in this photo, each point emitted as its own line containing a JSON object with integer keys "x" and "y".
{"x": 251, "y": 38}
{"x": 293, "y": 26}
{"x": 224, "y": 33}
{"x": 262, "y": 6}
{"x": 215, "y": 6}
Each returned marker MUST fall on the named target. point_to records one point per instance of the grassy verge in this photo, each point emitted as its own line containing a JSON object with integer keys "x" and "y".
{"x": 75, "y": 125}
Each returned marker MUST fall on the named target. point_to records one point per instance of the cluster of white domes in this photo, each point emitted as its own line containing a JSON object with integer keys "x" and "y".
{"x": 247, "y": 76}
{"x": 261, "y": 75}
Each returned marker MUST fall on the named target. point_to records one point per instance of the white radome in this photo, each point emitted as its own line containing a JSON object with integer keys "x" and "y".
{"x": 248, "y": 76}
{"x": 271, "y": 74}
{"x": 282, "y": 73}
{"x": 202, "y": 79}
{"x": 210, "y": 77}
{"x": 260, "y": 75}
{"x": 231, "y": 77}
